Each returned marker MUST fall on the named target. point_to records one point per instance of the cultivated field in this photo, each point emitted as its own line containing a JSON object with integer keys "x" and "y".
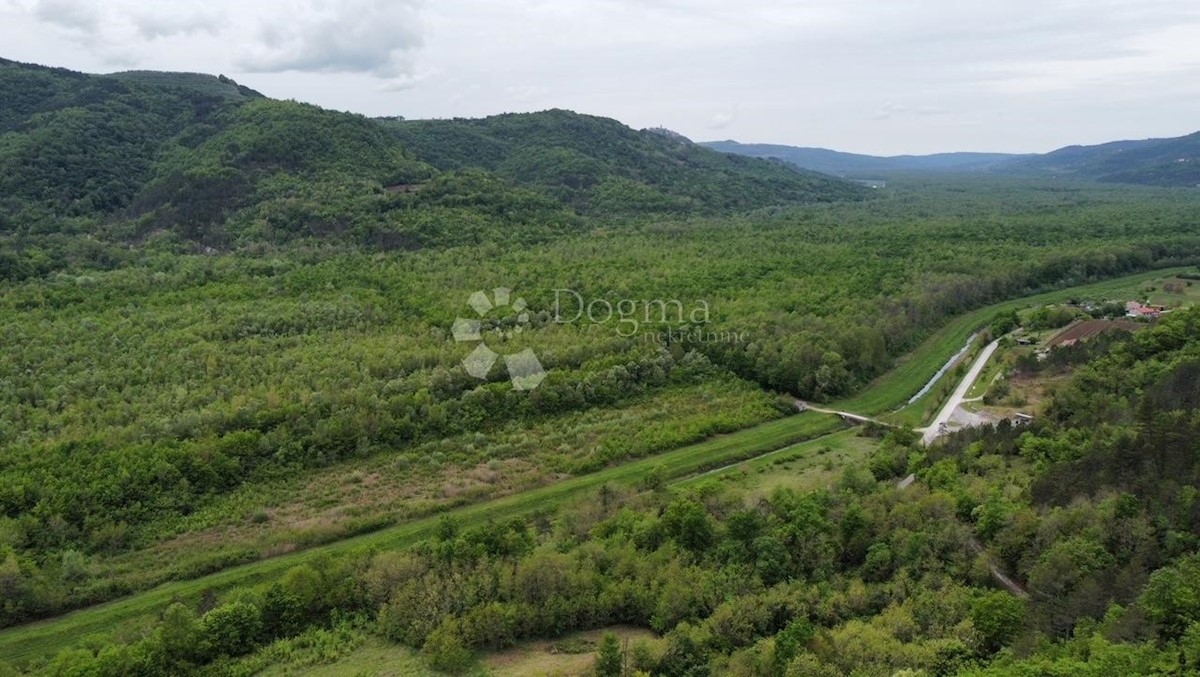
{"x": 1088, "y": 328}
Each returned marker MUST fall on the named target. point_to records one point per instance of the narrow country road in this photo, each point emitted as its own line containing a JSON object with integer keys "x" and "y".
{"x": 850, "y": 416}
{"x": 935, "y": 428}
{"x": 1002, "y": 578}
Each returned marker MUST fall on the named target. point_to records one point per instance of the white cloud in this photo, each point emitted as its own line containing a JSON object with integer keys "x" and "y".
{"x": 1132, "y": 58}
{"x": 402, "y": 83}
{"x": 360, "y": 36}
{"x": 943, "y": 74}
{"x": 722, "y": 120}
{"x": 76, "y": 15}
{"x": 159, "y": 22}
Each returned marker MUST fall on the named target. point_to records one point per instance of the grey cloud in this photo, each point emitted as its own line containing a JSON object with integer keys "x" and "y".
{"x": 158, "y": 24}
{"x": 79, "y": 15}
{"x": 401, "y": 83}
{"x": 365, "y": 36}
{"x": 886, "y": 76}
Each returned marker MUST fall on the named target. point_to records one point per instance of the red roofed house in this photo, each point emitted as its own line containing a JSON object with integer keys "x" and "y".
{"x": 1135, "y": 309}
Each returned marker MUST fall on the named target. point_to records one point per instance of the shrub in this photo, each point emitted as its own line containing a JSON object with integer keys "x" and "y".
{"x": 609, "y": 662}
{"x": 997, "y": 617}
{"x": 232, "y": 629}
{"x": 445, "y": 649}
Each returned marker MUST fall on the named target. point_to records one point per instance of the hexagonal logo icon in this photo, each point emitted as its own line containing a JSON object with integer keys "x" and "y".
{"x": 524, "y": 369}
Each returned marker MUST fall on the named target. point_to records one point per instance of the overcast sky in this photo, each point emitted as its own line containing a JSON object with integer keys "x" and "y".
{"x": 872, "y": 76}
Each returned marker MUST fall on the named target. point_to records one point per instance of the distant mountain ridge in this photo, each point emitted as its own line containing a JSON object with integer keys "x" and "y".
{"x": 1158, "y": 162}
{"x": 858, "y": 165}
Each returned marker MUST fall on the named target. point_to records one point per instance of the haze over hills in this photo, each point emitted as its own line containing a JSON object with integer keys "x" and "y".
{"x": 1158, "y": 162}
{"x": 859, "y": 165}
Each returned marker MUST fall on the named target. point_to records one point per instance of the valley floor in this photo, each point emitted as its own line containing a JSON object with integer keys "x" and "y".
{"x": 742, "y": 453}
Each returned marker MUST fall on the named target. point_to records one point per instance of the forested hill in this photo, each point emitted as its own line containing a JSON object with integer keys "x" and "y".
{"x": 1156, "y": 162}
{"x": 599, "y": 165}
{"x": 144, "y": 155}
{"x": 73, "y": 145}
{"x": 1151, "y": 162}
{"x": 197, "y": 158}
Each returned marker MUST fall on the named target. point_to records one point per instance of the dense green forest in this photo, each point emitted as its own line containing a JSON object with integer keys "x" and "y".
{"x": 1093, "y": 509}
{"x": 228, "y": 329}
{"x": 146, "y": 403}
{"x": 602, "y": 167}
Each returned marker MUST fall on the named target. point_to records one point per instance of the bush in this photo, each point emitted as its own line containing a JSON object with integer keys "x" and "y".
{"x": 997, "y": 617}
{"x": 445, "y": 649}
{"x": 609, "y": 662}
{"x": 181, "y": 635}
{"x": 232, "y": 629}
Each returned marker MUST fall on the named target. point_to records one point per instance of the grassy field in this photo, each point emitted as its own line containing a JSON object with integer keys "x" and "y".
{"x": 341, "y": 652}
{"x": 127, "y": 616}
{"x": 986, "y": 377}
{"x": 924, "y": 409}
{"x": 375, "y": 658}
{"x": 354, "y": 652}
{"x": 810, "y": 465}
{"x": 300, "y": 510}
{"x": 570, "y": 656}
{"x": 1172, "y": 292}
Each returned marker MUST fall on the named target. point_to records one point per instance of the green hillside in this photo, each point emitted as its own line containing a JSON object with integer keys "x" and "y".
{"x": 74, "y": 146}
{"x": 203, "y": 83}
{"x": 1152, "y": 162}
{"x": 187, "y": 158}
{"x": 600, "y": 166}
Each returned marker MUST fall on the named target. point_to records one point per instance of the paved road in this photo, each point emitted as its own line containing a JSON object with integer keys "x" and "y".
{"x": 947, "y": 410}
